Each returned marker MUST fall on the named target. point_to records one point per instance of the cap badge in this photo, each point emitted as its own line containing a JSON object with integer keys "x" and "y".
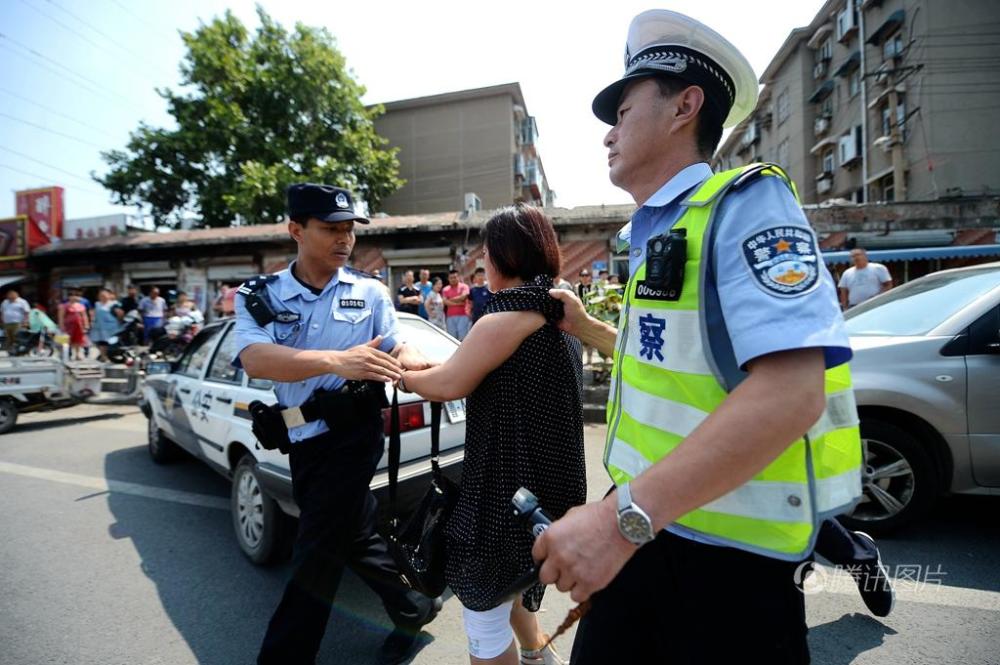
{"x": 342, "y": 201}
{"x": 674, "y": 63}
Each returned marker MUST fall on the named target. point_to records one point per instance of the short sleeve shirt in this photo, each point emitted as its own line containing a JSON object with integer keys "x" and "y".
{"x": 407, "y": 291}
{"x": 453, "y": 292}
{"x": 15, "y": 312}
{"x": 864, "y": 283}
{"x": 153, "y": 307}
{"x": 746, "y": 318}
{"x": 479, "y": 295}
{"x": 350, "y": 310}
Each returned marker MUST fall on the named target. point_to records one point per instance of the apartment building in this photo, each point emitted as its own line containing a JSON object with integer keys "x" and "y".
{"x": 882, "y": 100}
{"x": 464, "y": 150}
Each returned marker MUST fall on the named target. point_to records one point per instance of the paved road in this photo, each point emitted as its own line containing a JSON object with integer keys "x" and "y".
{"x": 108, "y": 558}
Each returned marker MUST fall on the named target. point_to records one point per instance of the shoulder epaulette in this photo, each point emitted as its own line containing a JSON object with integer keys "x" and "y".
{"x": 255, "y": 284}
{"x": 360, "y": 273}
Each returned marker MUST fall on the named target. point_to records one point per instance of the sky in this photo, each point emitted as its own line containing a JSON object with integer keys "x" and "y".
{"x": 76, "y": 76}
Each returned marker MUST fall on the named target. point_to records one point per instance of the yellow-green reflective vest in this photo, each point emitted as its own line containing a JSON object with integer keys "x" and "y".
{"x": 656, "y": 402}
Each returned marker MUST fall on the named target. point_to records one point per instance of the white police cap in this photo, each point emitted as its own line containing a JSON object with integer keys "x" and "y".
{"x": 665, "y": 43}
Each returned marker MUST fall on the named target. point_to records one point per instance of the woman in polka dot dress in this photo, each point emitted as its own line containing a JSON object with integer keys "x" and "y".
{"x": 522, "y": 376}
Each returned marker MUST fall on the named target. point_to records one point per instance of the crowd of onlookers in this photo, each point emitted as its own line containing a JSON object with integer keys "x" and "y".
{"x": 89, "y": 326}
{"x": 455, "y": 306}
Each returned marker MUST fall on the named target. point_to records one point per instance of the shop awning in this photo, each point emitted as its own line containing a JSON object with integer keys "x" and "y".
{"x": 821, "y": 92}
{"x": 895, "y": 20}
{"x": 849, "y": 65}
{"x": 917, "y": 253}
{"x": 7, "y": 280}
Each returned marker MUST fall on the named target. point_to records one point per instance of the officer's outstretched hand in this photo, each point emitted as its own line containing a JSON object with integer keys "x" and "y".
{"x": 575, "y": 314}
{"x": 411, "y": 358}
{"x": 365, "y": 362}
{"x": 582, "y": 552}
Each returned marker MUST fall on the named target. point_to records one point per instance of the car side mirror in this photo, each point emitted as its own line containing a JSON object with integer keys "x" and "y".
{"x": 159, "y": 367}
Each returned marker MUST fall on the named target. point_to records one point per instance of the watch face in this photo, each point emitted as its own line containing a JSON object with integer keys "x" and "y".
{"x": 635, "y": 526}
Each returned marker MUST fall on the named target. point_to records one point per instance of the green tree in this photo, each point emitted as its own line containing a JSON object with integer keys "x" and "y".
{"x": 259, "y": 112}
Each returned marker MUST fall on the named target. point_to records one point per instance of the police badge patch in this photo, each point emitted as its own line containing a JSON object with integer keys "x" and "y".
{"x": 784, "y": 261}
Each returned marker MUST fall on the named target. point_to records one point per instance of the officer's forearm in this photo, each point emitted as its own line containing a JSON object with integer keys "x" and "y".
{"x": 782, "y": 398}
{"x": 286, "y": 364}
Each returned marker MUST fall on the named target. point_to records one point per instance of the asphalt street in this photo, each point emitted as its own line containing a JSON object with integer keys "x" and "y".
{"x": 108, "y": 558}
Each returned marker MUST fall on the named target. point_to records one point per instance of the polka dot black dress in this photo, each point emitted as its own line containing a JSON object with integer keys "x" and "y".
{"x": 524, "y": 429}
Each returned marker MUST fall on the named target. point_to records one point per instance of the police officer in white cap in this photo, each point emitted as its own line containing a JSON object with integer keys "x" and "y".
{"x": 732, "y": 430}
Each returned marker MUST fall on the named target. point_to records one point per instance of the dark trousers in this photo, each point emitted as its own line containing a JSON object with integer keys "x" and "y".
{"x": 337, "y": 528}
{"x": 681, "y": 602}
{"x": 842, "y": 547}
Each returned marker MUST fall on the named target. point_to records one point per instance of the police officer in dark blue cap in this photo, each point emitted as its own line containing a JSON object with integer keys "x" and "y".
{"x": 327, "y": 336}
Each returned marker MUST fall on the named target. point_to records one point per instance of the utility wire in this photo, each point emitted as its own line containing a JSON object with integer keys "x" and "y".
{"x": 140, "y": 19}
{"x": 90, "y": 81}
{"x": 49, "y": 109}
{"x": 48, "y": 179}
{"x": 103, "y": 34}
{"x": 51, "y": 131}
{"x": 46, "y": 164}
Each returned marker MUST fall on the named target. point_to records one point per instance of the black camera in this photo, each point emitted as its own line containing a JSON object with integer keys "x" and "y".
{"x": 666, "y": 255}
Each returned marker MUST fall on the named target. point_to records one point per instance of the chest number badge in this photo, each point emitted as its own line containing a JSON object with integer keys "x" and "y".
{"x": 352, "y": 303}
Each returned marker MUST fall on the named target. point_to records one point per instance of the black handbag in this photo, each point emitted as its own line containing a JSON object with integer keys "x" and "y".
{"x": 418, "y": 545}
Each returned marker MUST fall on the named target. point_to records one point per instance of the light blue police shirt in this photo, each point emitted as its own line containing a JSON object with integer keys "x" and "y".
{"x": 351, "y": 310}
{"x": 746, "y": 317}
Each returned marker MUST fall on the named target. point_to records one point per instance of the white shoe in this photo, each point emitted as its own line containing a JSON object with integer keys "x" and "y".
{"x": 544, "y": 656}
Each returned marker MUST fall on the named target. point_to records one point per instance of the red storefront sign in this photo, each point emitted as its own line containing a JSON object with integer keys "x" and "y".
{"x": 13, "y": 239}
{"x": 44, "y": 210}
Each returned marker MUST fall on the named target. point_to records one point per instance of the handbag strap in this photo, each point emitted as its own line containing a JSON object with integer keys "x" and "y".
{"x": 395, "y": 447}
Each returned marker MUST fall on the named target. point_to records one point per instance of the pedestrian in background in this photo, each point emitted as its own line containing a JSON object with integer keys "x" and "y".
{"x": 15, "y": 311}
{"x": 408, "y": 298}
{"x": 105, "y": 322}
{"x": 522, "y": 376}
{"x": 479, "y": 294}
{"x": 131, "y": 299}
{"x": 434, "y": 305}
{"x": 862, "y": 281}
{"x": 75, "y": 322}
{"x": 153, "y": 308}
{"x": 425, "y": 285}
{"x": 583, "y": 289}
{"x": 456, "y": 295}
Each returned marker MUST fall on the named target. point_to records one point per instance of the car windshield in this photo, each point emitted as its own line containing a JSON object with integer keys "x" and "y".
{"x": 430, "y": 339}
{"x": 918, "y": 307}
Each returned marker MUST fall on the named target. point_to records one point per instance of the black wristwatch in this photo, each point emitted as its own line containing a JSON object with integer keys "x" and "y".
{"x": 634, "y": 523}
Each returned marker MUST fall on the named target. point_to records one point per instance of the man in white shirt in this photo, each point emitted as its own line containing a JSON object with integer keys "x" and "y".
{"x": 863, "y": 281}
{"x": 15, "y": 312}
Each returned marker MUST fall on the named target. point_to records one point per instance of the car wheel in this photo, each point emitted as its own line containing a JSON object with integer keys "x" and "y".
{"x": 898, "y": 482}
{"x": 161, "y": 449}
{"x": 8, "y": 415}
{"x": 262, "y": 529}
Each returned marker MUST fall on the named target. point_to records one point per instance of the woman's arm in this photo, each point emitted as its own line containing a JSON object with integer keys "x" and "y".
{"x": 493, "y": 339}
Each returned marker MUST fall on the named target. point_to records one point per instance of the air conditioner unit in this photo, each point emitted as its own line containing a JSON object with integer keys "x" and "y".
{"x": 884, "y": 142}
{"x": 819, "y": 69}
{"x": 823, "y": 186}
{"x": 882, "y": 75}
{"x": 472, "y": 202}
{"x": 821, "y": 126}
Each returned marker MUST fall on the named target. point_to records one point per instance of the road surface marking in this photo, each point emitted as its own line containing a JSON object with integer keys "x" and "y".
{"x": 116, "y": 486}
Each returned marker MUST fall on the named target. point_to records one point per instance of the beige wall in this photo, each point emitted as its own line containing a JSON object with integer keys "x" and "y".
{"x": 449, "y": 149}
{"x": 951, "y": 145}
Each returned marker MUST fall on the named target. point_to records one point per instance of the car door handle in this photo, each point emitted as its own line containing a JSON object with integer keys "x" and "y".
{"x": 224, "y": 400}
{"x": 186, "y": 391}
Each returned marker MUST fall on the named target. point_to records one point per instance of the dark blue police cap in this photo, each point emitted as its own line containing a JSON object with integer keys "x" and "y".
{"x": 324, "y": 202}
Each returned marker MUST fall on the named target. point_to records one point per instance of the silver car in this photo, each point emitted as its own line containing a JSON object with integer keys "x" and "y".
{"x": 926, "y": 373}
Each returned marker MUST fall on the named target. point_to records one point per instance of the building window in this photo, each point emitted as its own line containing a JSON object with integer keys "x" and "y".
{"x": 888, "y": 188}
{"x": 893, "y": 47}
{"x": 900, "y": 118}
{"x": 847, "y": 20}
{"x": 828, "y": 161}
{"x": 826, "y": 110}
{"x": 782, "y": 157}
{"x": 854, "y": 83}
{"x": 784, "y": 107}
{"x": 825, "y": 52}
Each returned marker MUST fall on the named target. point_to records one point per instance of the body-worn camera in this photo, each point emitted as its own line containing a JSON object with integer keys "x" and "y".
{"x": 666, "y": 255}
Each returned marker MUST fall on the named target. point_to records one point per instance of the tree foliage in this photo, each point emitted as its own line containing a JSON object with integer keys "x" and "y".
{"x": 258, "y": 113}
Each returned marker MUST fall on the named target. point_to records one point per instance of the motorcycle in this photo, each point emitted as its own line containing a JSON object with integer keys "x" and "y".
{"x": 121, "y": 344}
{"x": 36, "y": 344}
{"x": 170, "y": 341}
